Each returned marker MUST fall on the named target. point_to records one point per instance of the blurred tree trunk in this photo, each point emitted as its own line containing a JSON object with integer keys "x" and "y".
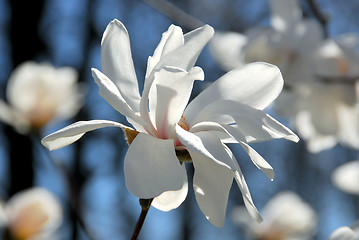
{"x": 26, "y": 45}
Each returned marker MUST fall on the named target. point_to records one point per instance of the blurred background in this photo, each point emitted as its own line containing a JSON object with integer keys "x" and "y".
{"x": 68, "y": 33}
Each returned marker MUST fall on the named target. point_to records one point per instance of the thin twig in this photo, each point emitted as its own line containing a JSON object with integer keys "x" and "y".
{"x": 319, "y": 15}
{"x": 177, "y": 15}
{"x": 145, "y": 206}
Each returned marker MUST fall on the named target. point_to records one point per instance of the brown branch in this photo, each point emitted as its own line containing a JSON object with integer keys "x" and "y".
{"x": 145, "y": 206}
{"x": 177, "y": 15}
{"x": 319, "y": 15}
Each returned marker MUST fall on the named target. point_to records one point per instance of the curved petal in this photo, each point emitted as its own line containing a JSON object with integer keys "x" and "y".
{"x": 232, "y": 132}
{"x": 183, "y": 57}
{"x": 117, "y": 64}
{"x": 206, "y": 144}
{"x": 255, "y": 124}
{"x": 174, "y": 87}
{"x": 112, "y": 95}
{"x": 211, "y": 183}
{"x": 151, "y": 167}
{"x": 75, "y": 131}
{"x": 186, "y": 55}
{"x": 256, "y": 85}
{"x": 172, "y": 199}
{"x": 247, "y": 198}
{"x": 285, "y": 14}
{"x": 171, "y": 39}
{"x": 259, "y": 161}
{"x": 227, "y": 49}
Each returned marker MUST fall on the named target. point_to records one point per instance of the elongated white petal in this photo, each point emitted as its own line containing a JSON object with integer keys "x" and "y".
{"x": 117, "y": 64}
{"x": 211, "y": 183}
{"x": 183, "y": 57}
{"x": 255, "y": 124}
{"x": 174, "y": 87}
{"x": 205, "y": 143}
{"x": 75, "y": 131}
{"x": 256, "y": 85}
{"x": 172, "y": 199}
{"x": 259, "y": 161}
{"x": 151, "y": 167}
{"x": 227, "y": 49}
{"x": 186, "y": 56}
{"x": 171, "y": 39}
{"x": 112, "y": 95}
{"x": 247, "y": 198}
{"x": 285, "y": 14}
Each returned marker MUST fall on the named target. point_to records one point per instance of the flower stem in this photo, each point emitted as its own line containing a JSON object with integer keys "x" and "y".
{"x": 145, "y": 205}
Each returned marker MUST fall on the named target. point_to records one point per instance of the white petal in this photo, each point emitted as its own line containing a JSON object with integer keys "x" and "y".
{"x": 211, "y": 183}
{"x": 152, "y": 167}
{"x": 206, "y": 144}
{"x": 172, "y": 199}
{"x": 227, "y": 49}
{"x": 112, "y": 95}
{"x": 284, "y": 14}
{"x": 256, "y": 84}
{"x": 171, "y": 39}
{"x": 174, "y": 87}
{"x": 75, "y": 131}
{"x": 255, "y": 124}
{"x": 348, "y": 126}
{"x": 183, "y": 57}
{"x": 346, "y": 177}
{"x": 34, "y": 213}
{"x": 343, "y": 233}
{"x": 247, "y": 198}
{"x": 117, "y": 64}
{"x": 259, "y": 161}
{"x": 186, "y": 56}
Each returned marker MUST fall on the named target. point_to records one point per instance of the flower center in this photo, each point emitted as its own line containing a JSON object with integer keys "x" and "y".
{"x": 184, "y": 123}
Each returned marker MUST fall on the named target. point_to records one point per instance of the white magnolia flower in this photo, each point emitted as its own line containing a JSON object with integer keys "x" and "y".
{"x": 166, "y": 129}
{"x": 346, "y": 177}
{"x": 288, "y": 43}
{"x": 329, "y": 113}
{"x": 286, "y": 216}
{"x": 32, "y": 214}
{"x": 38, "y": 93}
{"x": 346, "y": 233}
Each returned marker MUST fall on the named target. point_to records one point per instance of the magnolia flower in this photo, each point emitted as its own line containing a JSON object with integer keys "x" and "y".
{"x": 31, "y": 214}
{"x": 346, "y": 233}
{"x": 39, "y": 93}
{"x": 167, "y": 132}
{"x": 346, "y": 177}
{"x": 286, "y": 216}
{"x": 329, "y": 113}
{"x": 287, "y": 43}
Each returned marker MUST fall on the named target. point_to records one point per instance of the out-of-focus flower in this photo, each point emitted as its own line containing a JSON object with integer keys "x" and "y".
{"x": 288, "y": 43}
{"x": 32, "y": 214}
{"x": 328, "y": 113}
{"x": 346, "y": 177}
{"x": 39, "y": 93}
{"x": 168, "y": 132}
{"x": 346, "y": 233}
{"x": 286, "y": 216}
